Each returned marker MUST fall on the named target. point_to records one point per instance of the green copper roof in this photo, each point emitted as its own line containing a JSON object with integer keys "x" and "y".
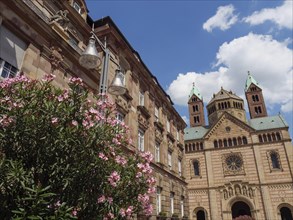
{"x": 250, "y": 80}
{"x": 195, "y": 91}
{"x": 269, "y": 122}
{"x": 194, "y": 133}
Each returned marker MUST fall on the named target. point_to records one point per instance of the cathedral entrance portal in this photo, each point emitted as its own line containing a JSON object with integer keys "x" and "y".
{"x": 240, "y": 209}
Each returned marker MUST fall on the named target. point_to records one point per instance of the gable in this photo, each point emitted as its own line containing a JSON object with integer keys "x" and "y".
{"x": 228, "y": 126}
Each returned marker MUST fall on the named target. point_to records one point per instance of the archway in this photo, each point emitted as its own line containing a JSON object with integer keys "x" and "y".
{"x": 200, "y": 215}
{"x": 286, "y": 213}
{"x": 240, "y": 209}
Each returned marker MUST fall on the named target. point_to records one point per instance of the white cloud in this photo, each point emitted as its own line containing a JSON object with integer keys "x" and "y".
{"x": 268, "y": 60}
{"x": 223, "y": 19}
{"x": 282, "y": 15}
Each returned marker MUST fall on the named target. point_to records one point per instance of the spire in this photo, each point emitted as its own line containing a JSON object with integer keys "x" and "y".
{"x": 195, "y": 91}
{"x": 250, "y": 80}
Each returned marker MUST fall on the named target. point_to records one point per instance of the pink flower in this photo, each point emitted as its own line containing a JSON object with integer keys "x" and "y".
{"x": 145, "y": 168}
{"x": 151, "y": 180}
{"x": 54, "y": 120}
{"x": 110, "y": 215}
{"x": 6, "y": 120}
{"x": 151, "y": 190}
{"x": 129, "y": 211}
{"x": 103, "y": 157}
{"x": 48, "y": 77}
{"x": 122, "y": 212}
{"x": 102, "y": 199}
{"x": 120, "y": 160}
{"x": 148, "y": 209}
{"x": 138, "y": 175}
{"x": 74, "y": 212}
{"x": 76, "y": 81}
{"x": 144, "y": 199}
{"x": 74, "y": 123}
{"x": 147, "y": 156}
{"x": 110, "y": 200}
{"x": 114, "y": 178}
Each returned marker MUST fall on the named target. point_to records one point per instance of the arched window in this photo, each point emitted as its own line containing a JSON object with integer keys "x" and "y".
{"x": 229, "y": 142}
{"x": 256, "y": 98}
{"x": 274, "y": 136}
{"x": 239, "y": 141}
{"x": 196, "y": 108}
{"x": 201, "y": 146}
{"x": 186, "y": 148}
{"x": 189, "y": 148}
{"x": 222, "y": 105}
{"x": 269, "y": 138}
{"x": 244, "y": 140}
{"x": 260, "y": 138}
{"x": 193, "y": 108}
{"x": 278, "y": 136}
{"x": 259, "y": 109}
{"x": 219, "y": 106}
{"x": 234, "y": 104}
{"x": 193, "y": 147}
{"x": 253, "y": 98}
{"x": 256, "y": 110}
{"x": 196, "y": 167}
{"x": 265, "y": 138}
{"x": 225, "y": 143}
{"x": 275, "y": 160}
{"x": 197, "y": 146}
{"x": 234, "y": 141}
{"x": 225, "y": 104}
{"x": 220, "y": 143}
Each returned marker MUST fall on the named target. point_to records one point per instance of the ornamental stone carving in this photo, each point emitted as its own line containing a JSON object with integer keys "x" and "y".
{"x": 235, "y": 189}
{"x": 56, "y": 57}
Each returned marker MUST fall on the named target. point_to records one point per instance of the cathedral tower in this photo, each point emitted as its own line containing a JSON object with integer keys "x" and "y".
{"x": 225, "y": 101}
{"x": 195, "y": 106}
{"x": 254, "y": 97}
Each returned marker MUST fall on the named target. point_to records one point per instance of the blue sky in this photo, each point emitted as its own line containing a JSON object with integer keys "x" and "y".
{"x": 211, "y": 43}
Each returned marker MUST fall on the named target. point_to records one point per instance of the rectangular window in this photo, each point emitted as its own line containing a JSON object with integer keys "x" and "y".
{"x": 12, "y": 51}
{"x": 120, "y": 117}
{"x": 7, "y": 70}
{"x": 168, "y": 126}
{"x": 140, "y": 140}
{"x": 182, "y": 206}
{"x": 179, "y": 167}
{"x": 157, "y": 152}
{"x": 141, "y": 98}
{"x": 170, "y": 160}
{"x": 172, "y": 203}
{"x": 77, "y": 7}
{"x": 158, "y": 200}
{"x": 156, "y": 114}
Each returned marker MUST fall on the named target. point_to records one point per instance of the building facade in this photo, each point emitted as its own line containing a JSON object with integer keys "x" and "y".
{"x": 39, "y": 37}
{"x": 237, "y": 167}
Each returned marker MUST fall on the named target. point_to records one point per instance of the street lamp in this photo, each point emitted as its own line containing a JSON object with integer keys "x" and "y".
{"x": 90, "y": 60}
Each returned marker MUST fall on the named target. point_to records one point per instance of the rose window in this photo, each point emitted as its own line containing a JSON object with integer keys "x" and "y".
{"x": 234, "y": 162}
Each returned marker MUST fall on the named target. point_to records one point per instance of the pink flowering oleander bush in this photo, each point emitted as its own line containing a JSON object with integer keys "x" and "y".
{"x": 62, "y": 157}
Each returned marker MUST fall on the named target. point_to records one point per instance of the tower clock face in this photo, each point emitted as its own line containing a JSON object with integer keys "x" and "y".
{"x": 234, "y": 162}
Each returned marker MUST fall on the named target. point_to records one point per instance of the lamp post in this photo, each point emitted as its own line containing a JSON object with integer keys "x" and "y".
{"x": 90, "y": 60}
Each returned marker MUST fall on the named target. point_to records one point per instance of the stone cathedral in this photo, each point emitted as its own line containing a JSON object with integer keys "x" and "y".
{"x": 238, "y": 168}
